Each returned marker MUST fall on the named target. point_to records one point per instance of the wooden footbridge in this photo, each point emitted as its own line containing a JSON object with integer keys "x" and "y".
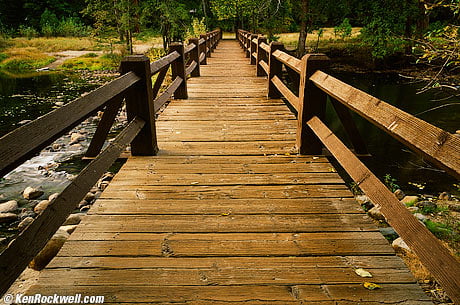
{"x": 215, "y": 205}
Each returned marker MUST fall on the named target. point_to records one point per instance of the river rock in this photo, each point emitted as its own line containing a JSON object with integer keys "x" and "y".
{"x": 400, "y": 245}
{"x": 9, "y": 206}
{"x": 69, "y": 229}
{"x": 53, "y": 196}
{"x": 56, "y": 146}
{"x": 444, "y": 196}
{"x": 107, "y": 177}
{"x": 409, "y": 200}
{"x": 31, "y": 193}
{"x": 73, "y": 219}
{"x": 24, "y": 223}
{"x": 420, "y": 217}
{"x": 362, "y": 199}
{"x": 85, "y": 208}
{"x": 455, "y": 207}
{"x": 49, "y": 251}
{"x": 103, "y": 185}
{"x": 26, "y": 213}
{"x": 376, "y": 213}
{"x": 76, "y": 137}
{"x": 8, "y": 217}
{"x": 24, "y": 122}
{"x": 89, "y": 197}
{"x": 41, "y": 206}
{"x": 59, "y": 104}
{"x": 425, "y": 204}
{"x": 413, "y": 209}
{"x": 82, "y": 203}
{"x": 399, "y": 194}
{"x": 389, "y": 231}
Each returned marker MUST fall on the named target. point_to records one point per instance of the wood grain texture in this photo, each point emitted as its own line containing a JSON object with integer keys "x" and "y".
{"x": 434, "y": 256}
{"x": 228, "y": 213}
{"x": 440, "y": 147}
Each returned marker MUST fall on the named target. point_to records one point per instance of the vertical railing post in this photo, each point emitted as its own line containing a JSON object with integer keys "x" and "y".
{"x": 203, "y": 49}
{"x": 261, "y": 55}
{"x": 178, "y": 69}
{"x": 246, "y": 44}
{"x": 139, "y": 104}
{"x": 208, "y": 45}
{"x": 195, "y": 55}
{"x": 275, "y": 68}
{"x": 312, "y": 102}
{"x": 253, "y": 48}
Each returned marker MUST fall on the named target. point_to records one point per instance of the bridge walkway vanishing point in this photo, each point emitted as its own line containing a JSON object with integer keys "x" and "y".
{"x": 228, "y": 213}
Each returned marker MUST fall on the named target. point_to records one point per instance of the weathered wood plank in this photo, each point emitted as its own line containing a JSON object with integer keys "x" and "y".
{"x": 226, "y": 206}
{"x": 291, "y": 97}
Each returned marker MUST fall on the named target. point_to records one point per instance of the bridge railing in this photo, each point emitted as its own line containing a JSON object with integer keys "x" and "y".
{"x": 315, "y": 86}
{"x": 134, "y": 87}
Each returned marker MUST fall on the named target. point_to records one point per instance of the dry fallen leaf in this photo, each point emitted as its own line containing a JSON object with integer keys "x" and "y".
{"x": 371, "y": 286}
{"x": 363, "y": 273}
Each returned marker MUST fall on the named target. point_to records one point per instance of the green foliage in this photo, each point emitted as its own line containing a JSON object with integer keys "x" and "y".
{"x": 197, "y": 27}
{"x": 355, "y": 189}
{"x": 89, "y": 62}
{"x": 72, "y": 27}
{"x": 390, "y": 182}
{"x": 48, "y": 23}
{"x": 344, "y": 29}
{"x": 28, "y": 32}
{"x": 3, "y": 56}
{"x": 442, "y": 230}
{"x": 433, "y": 209}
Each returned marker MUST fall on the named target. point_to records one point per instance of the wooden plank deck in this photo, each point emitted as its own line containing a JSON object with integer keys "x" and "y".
{"x": 227, "y": 213}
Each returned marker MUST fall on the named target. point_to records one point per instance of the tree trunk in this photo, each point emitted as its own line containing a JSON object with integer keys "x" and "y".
{"x": 423, "y": 21}
{"x": 303, "y": 28}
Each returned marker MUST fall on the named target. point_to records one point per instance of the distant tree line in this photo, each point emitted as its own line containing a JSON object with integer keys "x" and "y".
{"x": 389, "y": 26}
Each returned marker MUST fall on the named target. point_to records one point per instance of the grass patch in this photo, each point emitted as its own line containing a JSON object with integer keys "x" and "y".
{"x": 93, "y": 63}
{"x": 443, "y": 230}
{"x": 20, "y": 59}
{"x": 426, "y": 210}
{"x": 328, "y": 36}
{"x": 58, "y": 44}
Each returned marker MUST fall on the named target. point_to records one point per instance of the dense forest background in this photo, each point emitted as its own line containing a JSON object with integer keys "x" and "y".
{"x": 428, "y": 28}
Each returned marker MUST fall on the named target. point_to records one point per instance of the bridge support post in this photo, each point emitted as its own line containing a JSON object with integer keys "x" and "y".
{"x": 261, "y": 55}
{"x": 178, "y": 70}
{"x": 247, "y": 46}
{"x": 195, "y": 55}
{"x": 208, "y": 45}
{"x": 203, "y": 49}
{"x": 275, "y": 68}
{"x": 252, "y": 49}
{"x": 139, "y": 103}
{"x": 312, "y": 102}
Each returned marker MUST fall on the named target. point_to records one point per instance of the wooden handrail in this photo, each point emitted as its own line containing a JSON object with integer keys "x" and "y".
{"x": 265, "y": 47}
{"x": 439, "y": 146}
{"x": 163, "y": 62}
{"x": 288, "y": 60}
{"x": 135, "y": 88}
{"x": 24, "y": 142}
{"x": 166, "y": 95}
{"x": 291, "y": 97}
{"x": 189, "y": 48}
{"x": 434, "y": 256}
{"x": 15, "y": 258}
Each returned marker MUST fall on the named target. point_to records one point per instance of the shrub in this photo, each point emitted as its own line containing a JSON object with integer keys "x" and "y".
{"x": 344, "y": 29}
{"x": 71, "y": 27}
{"x": 48, "y": 23}
{"x": 27, "y": 31}
{"x": 197, "y": 28}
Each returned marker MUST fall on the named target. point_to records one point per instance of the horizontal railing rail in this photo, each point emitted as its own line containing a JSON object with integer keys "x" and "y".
{"x": 315, "y": 86}
{"x": 135, "y": 88}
